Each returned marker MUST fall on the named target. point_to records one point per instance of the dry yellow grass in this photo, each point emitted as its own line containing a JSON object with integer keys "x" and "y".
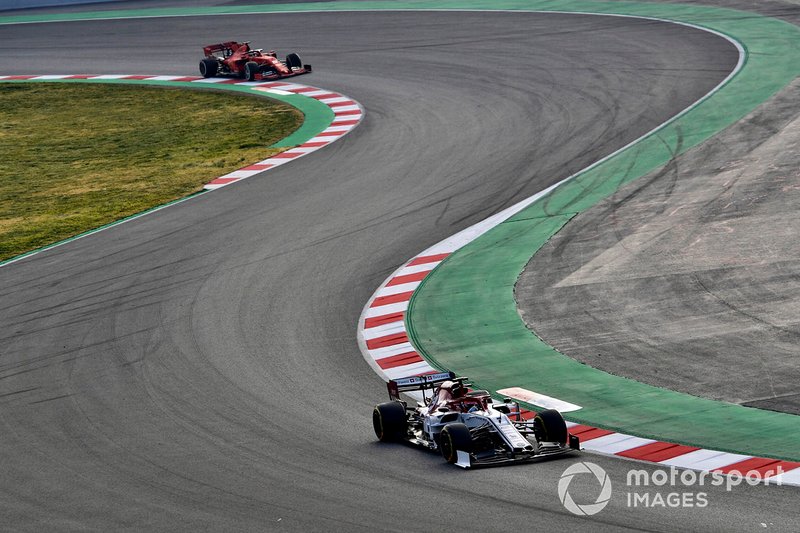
{"x": 78, "y": 156}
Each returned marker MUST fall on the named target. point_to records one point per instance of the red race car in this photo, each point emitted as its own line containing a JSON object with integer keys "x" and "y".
{"x": 238, "y": 59}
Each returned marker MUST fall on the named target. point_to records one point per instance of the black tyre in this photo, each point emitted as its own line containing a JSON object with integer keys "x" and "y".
{"x": 389, "y": 421}
{"x": 293, "y": 61}
{"x": 549, "y": 426}
{"x": 454, "y": 437}
{"x": 208, "y": 68}
{"x": 251, "y": 68}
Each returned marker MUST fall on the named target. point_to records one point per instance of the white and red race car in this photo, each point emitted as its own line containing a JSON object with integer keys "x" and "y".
{"x": 468, "y": 427}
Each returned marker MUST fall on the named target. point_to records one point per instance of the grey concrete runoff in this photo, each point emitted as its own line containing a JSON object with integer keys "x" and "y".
{"x": 689, "y": 278}
{"x": 197, "y": 369}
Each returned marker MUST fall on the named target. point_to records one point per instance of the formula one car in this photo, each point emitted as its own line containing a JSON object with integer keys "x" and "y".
{"x": 238, "y": 59}
{"x": 467, "y": 427}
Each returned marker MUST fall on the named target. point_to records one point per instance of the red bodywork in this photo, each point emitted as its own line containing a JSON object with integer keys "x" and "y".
{"x": 456, "y": 397}
{"x": 451, "y": 393}
{"x": 232, "y": 58}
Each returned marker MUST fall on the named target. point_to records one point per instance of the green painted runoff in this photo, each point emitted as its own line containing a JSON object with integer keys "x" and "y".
{"x": 464, "y": 316}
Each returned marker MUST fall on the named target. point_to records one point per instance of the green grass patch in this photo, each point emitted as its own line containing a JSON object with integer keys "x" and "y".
{"x": 78, "y": 156}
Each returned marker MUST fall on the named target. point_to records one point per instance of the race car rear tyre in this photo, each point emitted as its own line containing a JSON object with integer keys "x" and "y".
{"x": 293, "y": 61}
{"x": 208, "y": 68}
{"x": 549, "y": 426}
{"x": 455, "y": 437}
{"x": 389, "y": 421}
{"x": 251, "y": 68}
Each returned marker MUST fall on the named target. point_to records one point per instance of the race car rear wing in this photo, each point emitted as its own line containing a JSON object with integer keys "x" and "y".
{"x": 418, "y": 383}
{"x": 225, "y": 48}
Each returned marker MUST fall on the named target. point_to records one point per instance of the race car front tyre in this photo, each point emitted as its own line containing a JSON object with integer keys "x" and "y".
{"x": 208, "y": 68}
{"x": 251, "y": 68}
{"x": 455, "y": 437}
{"x": 293, "y": 61}
{"x": 549, "y": 426}
{"x": 389, "y": 421}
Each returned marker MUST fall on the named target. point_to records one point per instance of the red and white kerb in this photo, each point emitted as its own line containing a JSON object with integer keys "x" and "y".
{"x": 347, "y": 114}
{"x": 385, "y": 344}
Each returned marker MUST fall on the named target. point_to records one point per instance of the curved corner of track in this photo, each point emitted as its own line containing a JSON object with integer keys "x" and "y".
{"x": 334, "y": 114}
{"x": 387, "y": 343}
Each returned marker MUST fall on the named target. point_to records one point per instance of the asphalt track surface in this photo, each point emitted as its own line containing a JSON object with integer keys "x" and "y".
{"x": 197, "y": 368}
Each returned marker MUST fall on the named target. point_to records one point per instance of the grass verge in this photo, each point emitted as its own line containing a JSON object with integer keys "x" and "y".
{"x": 75, "y": 157}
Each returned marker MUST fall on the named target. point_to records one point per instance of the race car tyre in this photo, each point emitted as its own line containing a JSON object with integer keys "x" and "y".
{"x": 251, "y": 68}
{"x": 208, "y": 68}
{"x": 455, "y": 437}
{"x": 389, "y": 421}
{"x": 293, "y": 61}
{"x": 549, "y": 426}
